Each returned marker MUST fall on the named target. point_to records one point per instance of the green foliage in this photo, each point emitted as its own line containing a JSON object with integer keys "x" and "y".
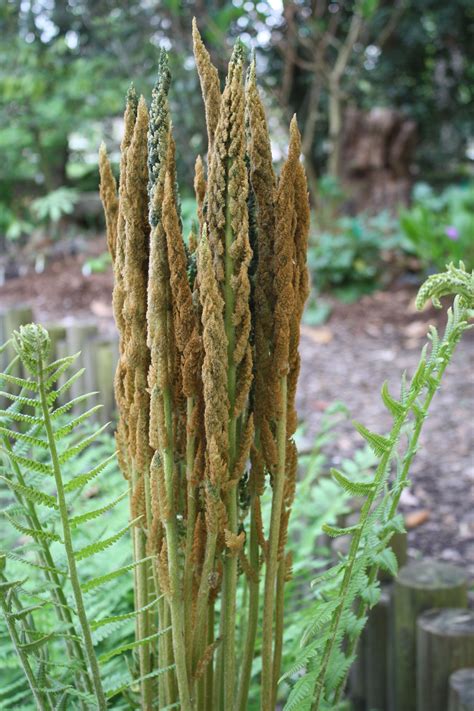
{"x": 350, "y": 257}
{"x": 440, "y": 227}
{"x": 40, "y": 598}
{"x": 329, "y": 641}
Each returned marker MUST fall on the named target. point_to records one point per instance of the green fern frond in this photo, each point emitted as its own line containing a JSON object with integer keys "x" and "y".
{"x": 455, "y": 280}
{"x": 83, "y": 518}
{"x": 70, "y": 426}
{"x": 354, "y": 488}
{"x": 64, "y": 409}
{"x": 379, "y": 444}
{"x": 335, "y": 531}
{"x": 36, "y": 533}
{"x": 101, "y": 580}
{"x": 23, "y": 437}
{"x": 20, "y": 382}
{"x": 32, "y": 494}
{"x": 132, "y": 645}
{"x": 82, "y": 479}
{"x": 72, "y": 452}
{"x": 100, "y": 546}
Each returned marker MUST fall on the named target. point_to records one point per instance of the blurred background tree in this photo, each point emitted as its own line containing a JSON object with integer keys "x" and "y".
{"x": 386, "y": 84}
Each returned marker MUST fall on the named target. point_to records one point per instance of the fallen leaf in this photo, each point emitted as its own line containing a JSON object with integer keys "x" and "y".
{"x": 417, "y": 518}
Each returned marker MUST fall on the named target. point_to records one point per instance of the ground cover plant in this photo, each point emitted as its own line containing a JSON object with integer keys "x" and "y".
{"x": 206, "y": 382}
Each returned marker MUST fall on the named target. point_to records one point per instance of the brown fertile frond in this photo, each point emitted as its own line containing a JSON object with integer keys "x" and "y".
{"x": 301, "y": 289}
{"x": 119, "y": 291}
{"x": 135, "y": 277}
{"x": 244, "y": 449}
{"x": 284, "y": 254}
{"x": 205, "y": 659}
{"x": 214, "y": 369}
{"x": 185, "y": 320}
{"x": 263, "y": 182}
{"x": 109, "y": 197}
{"x": 210, "y": 86}
{"x": 200, "y": 189}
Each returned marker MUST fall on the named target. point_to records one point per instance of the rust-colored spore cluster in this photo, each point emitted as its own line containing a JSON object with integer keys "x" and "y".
{"x": 206, "y": 381}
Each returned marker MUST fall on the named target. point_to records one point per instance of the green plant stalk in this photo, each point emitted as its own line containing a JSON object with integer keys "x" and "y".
{"x": 22, "y": 656}
{"x": 272, "y": 555}
{"x": 190, "y": 525}
{"x": 252, "y": 620}
{"x": 143, "y": 630}
{"x": 365, "y": 511}
{"x": 176, "y": 600}
{"x": 73, "y": 647}
{"x": 230, "y": 563}
{"x": 407, "y": 462}
{"x": 279, "y": 617}
{"x": 202, "y": 599}
{"x": 209, "y": 674}
{"x": 76, "y": 587}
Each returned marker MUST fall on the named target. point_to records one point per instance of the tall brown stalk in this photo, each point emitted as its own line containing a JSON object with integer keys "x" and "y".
{"x": 206, "y": 383}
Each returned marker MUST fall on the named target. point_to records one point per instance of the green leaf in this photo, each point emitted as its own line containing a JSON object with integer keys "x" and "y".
{"x": 20, "y": 400}
{"x": 69, "y": 405}
{"x": 32, "y": 647}
{"x": 77, "y": 449}
{"x": 67, "y": 428}
{"x": 23, "y": 437}
{"x": 83, "y": 479}
{"x": 31, "y": 494}
{"x": 393, "y": 406}
{"x": 82, "y": 518}
{"x": 132, "y": 645}
{"x": 371, "y": 594}
{"x": 100, "y": 546}
{"x": 20, "y": 382}
{"x": 101, "y": 580}
{"x": 387, "y": 560}
{"x": 62, "y": 367}
{"x": 11, "y": 414}
{"x": 355, "y": 488}
{"x": 379, "y": 445}
{"x": 126, "y": 682}
{"x": 335, "y": 531}
{"x": 30, "y": 464}
{"x": 36, "y": 533}
{"x": 65, "y": 387}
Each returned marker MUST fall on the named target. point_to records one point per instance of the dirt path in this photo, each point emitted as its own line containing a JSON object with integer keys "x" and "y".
{"x": 347, "y": 359}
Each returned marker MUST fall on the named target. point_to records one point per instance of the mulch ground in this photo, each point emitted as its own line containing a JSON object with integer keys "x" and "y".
{"x": 347, "y": 359}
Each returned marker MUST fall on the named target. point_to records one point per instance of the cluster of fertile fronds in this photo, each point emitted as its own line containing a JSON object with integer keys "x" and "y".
{"x": 39, "y": 438}
{"x": 349, "y": 589}
{"x": 209, "y": 332}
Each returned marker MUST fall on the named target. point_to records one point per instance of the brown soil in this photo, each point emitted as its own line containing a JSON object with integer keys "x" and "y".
{"x": 347, "y": 359}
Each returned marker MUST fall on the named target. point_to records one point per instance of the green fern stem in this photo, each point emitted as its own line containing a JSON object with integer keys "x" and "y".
{"x": 420, "y": 418}
{"x": 279, "y": 620}
{"x": 230, "y": 563}
{"x": 22, "y": 655}
{"x": 73, "y": 648}
{"x": 272, "y": 556}
{"x": 76, "y": 587}
{"x": 176, "y": 600}
{"x": 252, "y": 617}
{"x": 190, "y": 525}
{"x": 142, "y": 599}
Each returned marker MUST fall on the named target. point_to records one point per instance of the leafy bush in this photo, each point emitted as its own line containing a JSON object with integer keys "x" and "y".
{"x": 440, "y": 227}
{"x": 350, "y": 259}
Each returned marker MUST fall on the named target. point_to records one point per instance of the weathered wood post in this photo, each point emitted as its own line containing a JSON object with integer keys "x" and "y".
{"x": 461, "y": 690}
{"x": 105, "y": 365}
{"x": 377, "y": 642}
{"x": 445, "y": 642}
{"x": 419, "y": 586}
{"x": 78, "y": 334}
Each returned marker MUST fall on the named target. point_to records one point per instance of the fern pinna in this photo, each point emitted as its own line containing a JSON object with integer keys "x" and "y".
{"x": 349, "y": 589}
{"x": 39, "y": 440}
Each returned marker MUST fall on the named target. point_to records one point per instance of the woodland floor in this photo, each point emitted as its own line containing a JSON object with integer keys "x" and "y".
{"x": 347, "y": 359}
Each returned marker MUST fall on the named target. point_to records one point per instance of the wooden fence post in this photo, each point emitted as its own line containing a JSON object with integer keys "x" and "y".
{"x": 461, "y": 690}
{"x": 377, "y": 642}
{"x": 445, "y": 642}
{"x": 420, "y": 586}
{"x": 11, "y": 321}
